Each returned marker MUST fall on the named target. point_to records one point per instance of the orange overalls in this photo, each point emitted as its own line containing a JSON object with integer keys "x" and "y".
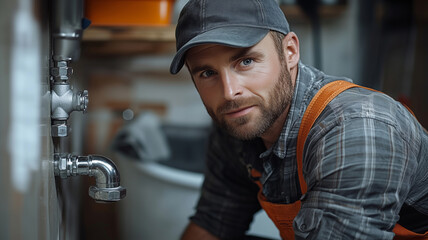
{"x": 283, "y": 214}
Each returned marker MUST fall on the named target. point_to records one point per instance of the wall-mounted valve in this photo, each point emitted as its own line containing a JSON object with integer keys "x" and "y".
{"x": 66, "y": 32}
{"x": 107, "y": 179}
{"x": 64, "y": 99}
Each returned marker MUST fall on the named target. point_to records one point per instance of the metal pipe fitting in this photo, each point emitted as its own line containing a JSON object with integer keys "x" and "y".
{"x": 107, "y": 178}
{"x": 65, "y": 101}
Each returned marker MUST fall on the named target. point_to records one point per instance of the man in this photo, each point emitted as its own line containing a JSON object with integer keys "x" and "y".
{"x": 365, "y": 159}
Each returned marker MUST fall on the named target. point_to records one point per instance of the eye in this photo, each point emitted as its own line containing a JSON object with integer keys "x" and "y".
{"x": 207, "y": 73}
{"x": 247, "y": 62}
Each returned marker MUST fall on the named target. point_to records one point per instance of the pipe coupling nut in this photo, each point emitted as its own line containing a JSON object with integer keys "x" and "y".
{"x": 61, "y": 71}
{"x": 59, "y": 130}
{"x": 107, "y": 194}
{"x": 61, "y": 165}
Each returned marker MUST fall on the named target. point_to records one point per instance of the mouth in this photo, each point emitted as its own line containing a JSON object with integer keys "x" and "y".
{"x": 235, "y": 113}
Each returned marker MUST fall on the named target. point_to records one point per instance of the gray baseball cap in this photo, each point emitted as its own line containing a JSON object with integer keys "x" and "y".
{"x": 235, "y": 23}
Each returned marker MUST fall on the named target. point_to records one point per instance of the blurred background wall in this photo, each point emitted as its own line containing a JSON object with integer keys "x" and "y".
{"x": 378, "y": 43}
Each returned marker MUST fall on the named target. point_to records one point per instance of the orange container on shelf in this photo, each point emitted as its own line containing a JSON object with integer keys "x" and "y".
{"x": 129, "y": 12}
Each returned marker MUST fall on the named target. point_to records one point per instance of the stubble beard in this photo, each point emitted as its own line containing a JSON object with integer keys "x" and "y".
{"x": 247, "y": 127}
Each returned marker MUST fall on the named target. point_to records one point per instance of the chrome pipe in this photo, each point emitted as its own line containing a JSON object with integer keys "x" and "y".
{"x": 66, "y": 34}
{"x": 107, "y": 178}
{"x": 66, "y": 29}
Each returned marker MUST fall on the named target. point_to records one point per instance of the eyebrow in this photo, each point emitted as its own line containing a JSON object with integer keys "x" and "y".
{"x": 197, "y": 69}
{"x": 241, "y": 53}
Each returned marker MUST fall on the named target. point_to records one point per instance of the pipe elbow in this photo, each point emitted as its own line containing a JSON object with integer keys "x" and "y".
{"x": 107, "y": 177}
{"x": 107, "y": 180}
{"x": 104, "y": 170}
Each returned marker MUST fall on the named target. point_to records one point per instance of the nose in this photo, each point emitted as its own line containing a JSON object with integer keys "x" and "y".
{"x": 231, "y": 85}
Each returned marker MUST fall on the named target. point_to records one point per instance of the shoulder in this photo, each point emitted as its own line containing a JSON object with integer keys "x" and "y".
{"x": 361, "y": 126}
{"x": 359, "y": 104}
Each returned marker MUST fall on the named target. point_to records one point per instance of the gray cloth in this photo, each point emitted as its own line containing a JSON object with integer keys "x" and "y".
{"x": 142, "y": 139}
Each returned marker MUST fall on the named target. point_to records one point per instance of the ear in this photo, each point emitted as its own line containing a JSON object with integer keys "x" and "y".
{"x": 291, "y": 51}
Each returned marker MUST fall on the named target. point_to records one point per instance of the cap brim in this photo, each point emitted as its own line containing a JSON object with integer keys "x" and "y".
{"x": 233, "y": 36}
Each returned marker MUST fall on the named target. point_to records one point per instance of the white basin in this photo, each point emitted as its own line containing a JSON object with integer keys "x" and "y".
{"x": 160, "y": 200}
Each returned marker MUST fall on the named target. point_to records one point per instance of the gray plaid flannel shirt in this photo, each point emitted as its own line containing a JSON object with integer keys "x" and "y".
{"x": 364, "y": 158}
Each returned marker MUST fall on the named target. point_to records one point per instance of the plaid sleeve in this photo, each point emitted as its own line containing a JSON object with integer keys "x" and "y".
{"x": 228, "y": 198}
{"x": 360, "y": 169}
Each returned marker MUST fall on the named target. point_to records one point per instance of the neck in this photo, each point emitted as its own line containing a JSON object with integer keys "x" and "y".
{"x": 272, "y": 134}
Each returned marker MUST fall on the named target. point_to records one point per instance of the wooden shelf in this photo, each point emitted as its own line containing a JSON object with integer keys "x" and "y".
{"x": 137, "y": 40}
{"x": 167, "y": 33}
{"x": 132, "y": 33}
{"x": 128, "y": 41}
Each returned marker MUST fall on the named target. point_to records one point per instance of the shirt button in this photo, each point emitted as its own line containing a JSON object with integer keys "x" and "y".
{"x": 303, "y": 227}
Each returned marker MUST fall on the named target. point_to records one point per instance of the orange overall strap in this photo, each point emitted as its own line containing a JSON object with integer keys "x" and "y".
{"x": 282, "y": 215}
{"x": 314, "y": 109}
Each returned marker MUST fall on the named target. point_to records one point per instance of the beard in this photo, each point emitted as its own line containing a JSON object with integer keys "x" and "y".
{"x": 246, "y": 127}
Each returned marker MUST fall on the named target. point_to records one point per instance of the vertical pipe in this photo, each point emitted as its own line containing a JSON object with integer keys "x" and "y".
{"x": 66, "y": 28}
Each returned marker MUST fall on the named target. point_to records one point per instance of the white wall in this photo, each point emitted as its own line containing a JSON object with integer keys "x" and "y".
{"x": 28, "y": 205}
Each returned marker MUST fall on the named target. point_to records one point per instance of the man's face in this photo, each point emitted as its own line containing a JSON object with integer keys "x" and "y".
{"x": 245, "y": 90}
